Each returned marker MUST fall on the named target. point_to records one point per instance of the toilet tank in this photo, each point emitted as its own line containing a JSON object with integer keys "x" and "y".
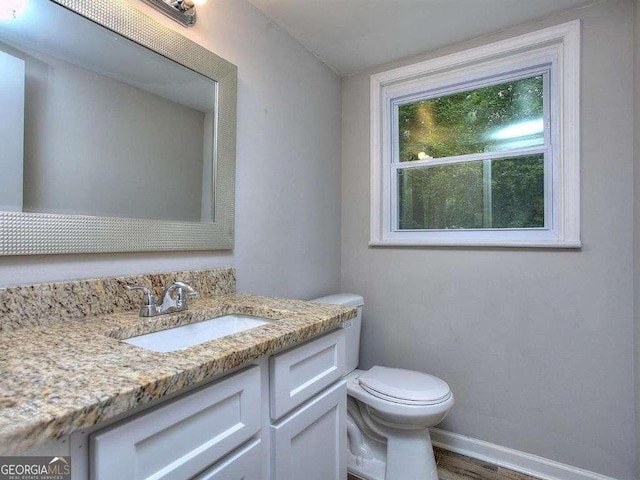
{"x": 352, "y": 327}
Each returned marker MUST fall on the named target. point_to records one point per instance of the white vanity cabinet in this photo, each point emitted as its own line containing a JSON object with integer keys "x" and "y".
{"x": 309, "y": 410}
{"x": 178, "y": 440}
{"x": 300, "y": 373}
{"x": 310, "y": 443}
{"x": 283, "y": 418}
{"x": 245, "y": 464}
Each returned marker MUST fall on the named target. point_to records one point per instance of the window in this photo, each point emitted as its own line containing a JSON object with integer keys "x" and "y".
{"x": 480, "y": 147}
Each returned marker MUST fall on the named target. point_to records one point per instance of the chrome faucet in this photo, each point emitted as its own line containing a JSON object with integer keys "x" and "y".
{"x": 174, "y": 298}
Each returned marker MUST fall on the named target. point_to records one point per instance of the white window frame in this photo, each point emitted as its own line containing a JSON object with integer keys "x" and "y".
{"x": 555, "y": 51}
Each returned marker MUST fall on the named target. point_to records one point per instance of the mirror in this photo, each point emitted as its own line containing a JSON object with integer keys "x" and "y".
{"x": 115, "y": 127}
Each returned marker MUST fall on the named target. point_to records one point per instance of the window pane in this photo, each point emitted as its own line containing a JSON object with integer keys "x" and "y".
{"x": 502, "y": 193}
{"x": 487, "y": 119}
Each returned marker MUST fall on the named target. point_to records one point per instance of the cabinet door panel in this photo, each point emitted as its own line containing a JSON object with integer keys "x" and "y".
{"x": 178, "y": 440}
{"x": 298, "y": 374}
{"x": 310, "y": 443}
{"x": 245, "y": 464}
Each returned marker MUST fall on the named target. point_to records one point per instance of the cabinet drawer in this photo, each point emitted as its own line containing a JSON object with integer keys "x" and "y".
{"x": 181, "y": 439}
{"x": 245, "y": 464}
{"x": 298, "y": 374}
{"x": 311, "y": 442}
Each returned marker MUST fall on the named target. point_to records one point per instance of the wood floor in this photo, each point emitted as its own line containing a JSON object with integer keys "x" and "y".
{"x": 453, "y": 466}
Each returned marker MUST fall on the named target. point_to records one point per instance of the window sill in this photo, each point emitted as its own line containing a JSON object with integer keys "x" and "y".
{"x": 414, "y": 243}
{"x": 457, "y": 238}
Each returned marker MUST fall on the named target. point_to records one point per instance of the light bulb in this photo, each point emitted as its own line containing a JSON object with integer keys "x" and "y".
{"x": 12, "y": 9}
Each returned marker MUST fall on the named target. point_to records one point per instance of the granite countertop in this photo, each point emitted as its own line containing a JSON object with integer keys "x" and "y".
{"x": 61, "y": 377}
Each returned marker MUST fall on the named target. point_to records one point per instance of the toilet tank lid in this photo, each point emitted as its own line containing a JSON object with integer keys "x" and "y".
{"x": 344, "y": 299}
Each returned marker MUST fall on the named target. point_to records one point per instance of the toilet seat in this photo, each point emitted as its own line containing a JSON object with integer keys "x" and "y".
{"x": 406, "y": 387}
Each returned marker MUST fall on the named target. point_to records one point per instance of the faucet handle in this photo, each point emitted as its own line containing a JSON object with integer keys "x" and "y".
{"x": 183, "y": 287}
{"x": 185, "y": 290}
{"x": 175, "y": 297}
{"x": 149, "y": 299}
{"x": 191, "y": 292}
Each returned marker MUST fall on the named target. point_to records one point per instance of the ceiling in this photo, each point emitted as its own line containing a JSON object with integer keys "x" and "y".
{"x": 351, "y": 35}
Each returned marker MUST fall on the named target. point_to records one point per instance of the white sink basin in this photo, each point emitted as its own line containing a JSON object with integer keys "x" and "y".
{"x": 185, "y": 336}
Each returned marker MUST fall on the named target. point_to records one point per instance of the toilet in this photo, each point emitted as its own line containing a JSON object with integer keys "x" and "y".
{"x": 389, "y": 412}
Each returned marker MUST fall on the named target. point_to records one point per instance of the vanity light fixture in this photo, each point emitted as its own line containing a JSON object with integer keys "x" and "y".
{"x": 182, "y": 11}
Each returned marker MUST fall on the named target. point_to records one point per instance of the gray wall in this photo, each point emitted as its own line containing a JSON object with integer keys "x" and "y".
{"x": 636, "y": 223}
{"x": 288, "y": 168}
{"x": 537, "y": 345}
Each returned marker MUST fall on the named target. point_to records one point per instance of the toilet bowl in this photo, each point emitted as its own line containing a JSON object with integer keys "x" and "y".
{"x": 389, "y": 412}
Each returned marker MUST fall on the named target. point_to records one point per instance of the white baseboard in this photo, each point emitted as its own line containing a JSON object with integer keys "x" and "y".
{"x": 512, "y": 459}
